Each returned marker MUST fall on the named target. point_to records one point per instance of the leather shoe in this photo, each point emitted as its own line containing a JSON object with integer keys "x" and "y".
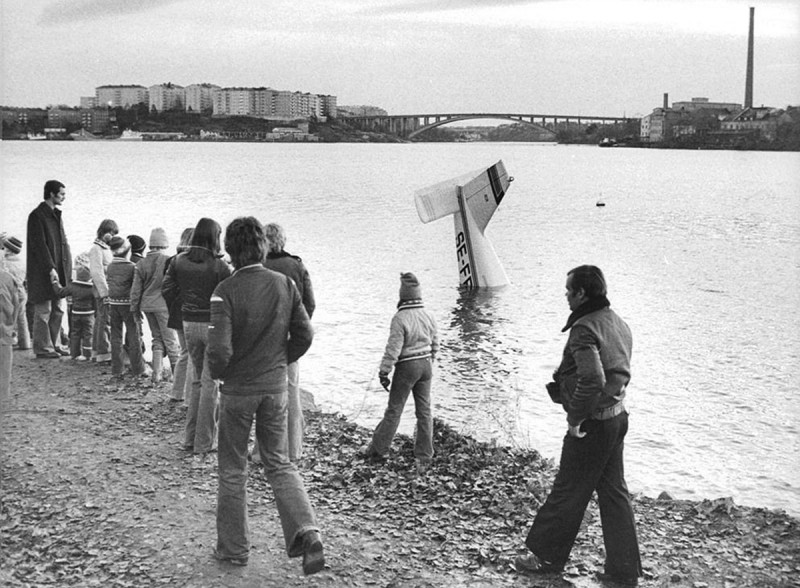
{"x": 531, "y": 564}
{"x": 618, "y": 580}
{"x": 48, "y": 355}
{"x": 313, "y": 555}
{"x": 61, "y": 351}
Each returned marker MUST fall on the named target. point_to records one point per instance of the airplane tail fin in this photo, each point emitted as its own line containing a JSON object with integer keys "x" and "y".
{"x": 440, "y": 200}
{"x": 472, "y": 200}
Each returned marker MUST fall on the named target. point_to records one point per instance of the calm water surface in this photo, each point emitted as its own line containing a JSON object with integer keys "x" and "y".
{"x": 701, "y": 250}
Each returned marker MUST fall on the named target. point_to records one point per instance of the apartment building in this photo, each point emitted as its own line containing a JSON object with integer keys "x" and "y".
{"x": 167, "y": 96}
{"x": 259, "y": 102}
{"x": 60, "y": 117}
{"x": 273, "y": 104}
{"x": 95, "y": 120}
{"x": 234, "y": 102}
{"x": 263, "y": 102}
{"x": 329, "y": 106}
{"x": 200, "y": 97}
{"x": 121, "y": 96}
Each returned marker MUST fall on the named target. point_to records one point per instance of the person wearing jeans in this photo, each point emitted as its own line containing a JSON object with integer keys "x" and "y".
{"x": 258, "y": 326}
{"x": 280, "y": 260}
{"x": 99, "y": 259}
{"x": 183, "y": 373}
{"x": 202, "y": 412}
{"x": 412, "y": 346}
{"x": 192, "y": 277}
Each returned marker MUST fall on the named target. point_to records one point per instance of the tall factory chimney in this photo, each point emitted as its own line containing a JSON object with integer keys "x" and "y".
{"x": 666, "y": 101}
{"x": 748, "y": 85}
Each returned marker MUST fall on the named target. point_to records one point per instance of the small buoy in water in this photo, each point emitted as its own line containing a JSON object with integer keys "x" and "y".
{"x": 600, "y": 203}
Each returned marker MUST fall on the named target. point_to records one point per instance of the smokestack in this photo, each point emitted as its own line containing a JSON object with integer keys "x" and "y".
{"x": 748, "y": 85}
{"x": 666, "y": 101}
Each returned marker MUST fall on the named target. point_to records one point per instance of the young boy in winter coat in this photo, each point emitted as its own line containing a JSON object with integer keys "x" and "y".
{"x": 120, "y": 281}
{"x": 81, "y": 309}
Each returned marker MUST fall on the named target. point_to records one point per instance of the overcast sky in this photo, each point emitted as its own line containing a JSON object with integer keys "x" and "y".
{"x": 595, "y": 57}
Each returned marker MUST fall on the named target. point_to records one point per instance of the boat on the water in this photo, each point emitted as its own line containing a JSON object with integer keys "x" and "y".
{"x": 83, "y": 135}
{"x": 606, "y": 142}
{"x": 36, "y": 137}
{"x": 129, "y": 135}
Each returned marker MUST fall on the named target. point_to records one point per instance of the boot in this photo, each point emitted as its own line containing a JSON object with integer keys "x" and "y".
{"x": 158, "y": 357}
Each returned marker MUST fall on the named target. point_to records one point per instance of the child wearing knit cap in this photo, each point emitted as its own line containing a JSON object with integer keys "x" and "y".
{"x": 21, "y": 338}
{"x": 81, "y": 310}
{"x": 120, "y": 281}
{"x": 146, "y": 298}
{"x": 411, "y": 349}
{"x": 137, "y": 248}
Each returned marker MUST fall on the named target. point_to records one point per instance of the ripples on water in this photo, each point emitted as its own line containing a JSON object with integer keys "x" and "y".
{"x": 700, "y": 250}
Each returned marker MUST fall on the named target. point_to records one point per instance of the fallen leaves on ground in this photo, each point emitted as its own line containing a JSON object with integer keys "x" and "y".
{"x": 95, "y": 493}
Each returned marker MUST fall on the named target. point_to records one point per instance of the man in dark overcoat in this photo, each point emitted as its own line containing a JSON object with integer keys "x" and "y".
{"x": 48, "y": 257}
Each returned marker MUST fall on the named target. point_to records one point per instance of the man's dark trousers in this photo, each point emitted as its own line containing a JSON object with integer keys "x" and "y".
{"x": 590, "y": 463}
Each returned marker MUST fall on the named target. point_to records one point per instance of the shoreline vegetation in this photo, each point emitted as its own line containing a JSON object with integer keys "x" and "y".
{"x": 97, "y": 492}
{"x": 183, "y": 126}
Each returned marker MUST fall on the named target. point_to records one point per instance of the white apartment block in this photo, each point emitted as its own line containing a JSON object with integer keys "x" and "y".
{"x": 273, "y": 104}
{"x": 121, "y": 96}
{"x": 167, "y": 97}
{"x": 200, "y": 97}
{"x": 234, "y": 102}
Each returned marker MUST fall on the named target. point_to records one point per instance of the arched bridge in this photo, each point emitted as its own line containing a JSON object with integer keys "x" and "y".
{"x": 411, "y": 125}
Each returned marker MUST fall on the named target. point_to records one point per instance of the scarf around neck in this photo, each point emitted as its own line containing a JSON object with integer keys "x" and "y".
{"x": 414, "y": 303}
{"x": 588, "y": 307}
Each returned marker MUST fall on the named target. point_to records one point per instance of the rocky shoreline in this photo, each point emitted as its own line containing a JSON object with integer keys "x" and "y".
{"x": 96, "y": 492}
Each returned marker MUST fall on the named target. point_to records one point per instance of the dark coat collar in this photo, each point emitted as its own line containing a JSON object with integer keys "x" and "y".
{"x": 587, "y": 307}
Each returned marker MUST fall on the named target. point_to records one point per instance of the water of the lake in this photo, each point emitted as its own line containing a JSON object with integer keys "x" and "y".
{"x": 701, "y": 250}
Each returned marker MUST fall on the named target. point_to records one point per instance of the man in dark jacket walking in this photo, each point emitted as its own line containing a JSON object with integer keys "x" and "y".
{"x": 590, "y": 385}
{"x": 258, "y": 325}
{"x": 48, "y": 258}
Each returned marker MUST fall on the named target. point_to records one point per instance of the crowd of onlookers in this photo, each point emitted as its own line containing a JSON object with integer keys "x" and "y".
{"x": 111, "y": 289}
{"x": 232, "y": 331}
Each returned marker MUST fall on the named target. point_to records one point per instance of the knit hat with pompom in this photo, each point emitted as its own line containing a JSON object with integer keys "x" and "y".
{"x": 409, "y": 287}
